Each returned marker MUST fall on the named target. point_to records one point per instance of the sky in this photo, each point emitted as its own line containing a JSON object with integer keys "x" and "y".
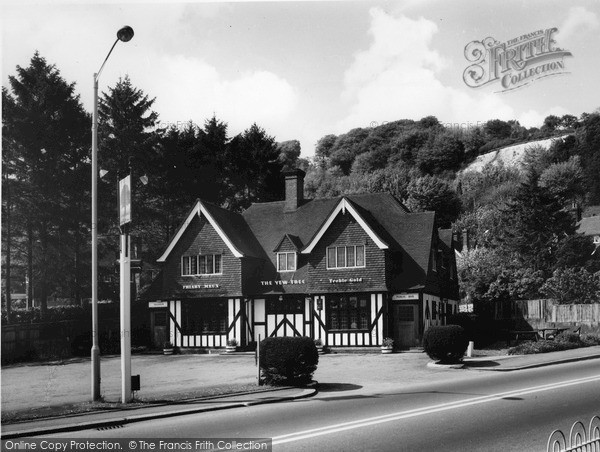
{"x": 302, "y": 70}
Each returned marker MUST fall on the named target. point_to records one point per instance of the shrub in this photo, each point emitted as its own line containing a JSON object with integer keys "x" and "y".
{"x": 529, "y": 348}
{"x": 589, "y": 340}
{"x": 288, "y": 360}
{"x": 568, "y": 337}
{"x": 446, "y": 344}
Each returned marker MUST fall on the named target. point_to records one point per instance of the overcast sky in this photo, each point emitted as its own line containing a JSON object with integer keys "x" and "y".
{"x": 302, "y": 70}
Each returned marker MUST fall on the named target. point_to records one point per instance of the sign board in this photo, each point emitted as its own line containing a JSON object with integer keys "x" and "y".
{"x": 405, "y": 296}
{"x": 157, "y": 304}
{"x": 125, "y": 200}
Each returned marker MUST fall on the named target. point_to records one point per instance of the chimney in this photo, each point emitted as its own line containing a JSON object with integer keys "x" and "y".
{"x": 294, "y": 189}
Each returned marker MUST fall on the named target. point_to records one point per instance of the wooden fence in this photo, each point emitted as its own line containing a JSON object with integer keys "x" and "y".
{"x": 548, "y": 311}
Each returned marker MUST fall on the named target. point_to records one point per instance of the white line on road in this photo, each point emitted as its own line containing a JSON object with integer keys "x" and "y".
{"x": 425, "y": 410}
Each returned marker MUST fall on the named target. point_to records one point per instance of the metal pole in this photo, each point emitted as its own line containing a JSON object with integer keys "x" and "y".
{"x": 125, "y": 267}
{"x": 95, "y": 348}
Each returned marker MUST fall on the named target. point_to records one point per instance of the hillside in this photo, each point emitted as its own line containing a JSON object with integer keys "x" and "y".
{"x": 510, "y": 156}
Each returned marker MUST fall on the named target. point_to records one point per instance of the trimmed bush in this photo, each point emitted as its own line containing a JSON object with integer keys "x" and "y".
{"x": 446, "y": 344}
{"x": 589, "y": 340}
{"x": 288, "y": 360}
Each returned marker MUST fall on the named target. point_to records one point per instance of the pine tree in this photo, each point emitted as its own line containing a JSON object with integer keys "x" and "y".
{"x": 48, "y": 136}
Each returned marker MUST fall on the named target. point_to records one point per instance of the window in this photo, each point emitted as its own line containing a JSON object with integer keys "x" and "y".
{"x": 204, "y": 316}
{"x": 349, "y": 312}
{"x": 286, "y": 262}
{"x": 205, "y": 264}
{"x": 285, "y": 305}
{"x": 346, "y": 256}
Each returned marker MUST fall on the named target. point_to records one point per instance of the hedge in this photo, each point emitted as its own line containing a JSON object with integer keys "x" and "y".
{"x": 446, "y": 344}
{"x": 288, "y": 360}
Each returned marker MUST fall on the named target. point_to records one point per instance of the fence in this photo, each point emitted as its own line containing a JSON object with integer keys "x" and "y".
{"x": 548, "y": 311}
{"x": 579, "y": 439}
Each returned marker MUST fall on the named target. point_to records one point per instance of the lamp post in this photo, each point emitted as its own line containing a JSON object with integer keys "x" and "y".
{"x": 124, "y": 34}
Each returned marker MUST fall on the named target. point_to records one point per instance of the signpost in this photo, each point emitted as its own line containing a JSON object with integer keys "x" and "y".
{"x": 125, "y": 286}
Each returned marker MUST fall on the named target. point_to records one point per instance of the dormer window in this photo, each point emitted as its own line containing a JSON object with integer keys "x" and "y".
{"x": 286, "y": 262}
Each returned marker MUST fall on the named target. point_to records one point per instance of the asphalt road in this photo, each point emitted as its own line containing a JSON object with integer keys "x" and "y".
{"x": 485, "y": 411}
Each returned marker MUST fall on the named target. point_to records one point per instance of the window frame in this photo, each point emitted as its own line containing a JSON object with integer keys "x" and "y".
{"x": 188, "y": 259}
{"x": 286, "y": 261}
{"x": 334, "y": 251}
{"x": 198, "y": 315}
{"x": 344, "y": 312}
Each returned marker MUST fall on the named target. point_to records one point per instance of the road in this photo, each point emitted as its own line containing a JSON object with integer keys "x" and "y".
{"x": 485, "y": 411}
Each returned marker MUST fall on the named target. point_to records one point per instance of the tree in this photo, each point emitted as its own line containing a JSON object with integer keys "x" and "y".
{"x": 571, "y": 285}
{"x": 254, "y": 169}
{"x": 47, "y": 133}
{"x": 564, "y": 180}
{"x": 430, "y": 193}
{"x": 535, "y": 224}
{"x": 289, "y": 153}
{"x": 444, "y": 152}
{"x": 589, "y": 143}
{"x": 496, "y": 129}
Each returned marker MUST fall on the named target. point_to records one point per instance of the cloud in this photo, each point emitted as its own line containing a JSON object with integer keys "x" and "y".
{"x": 192, "y": 89}
{"x": 578, "y": 21}
{"x": 400, "y": 77}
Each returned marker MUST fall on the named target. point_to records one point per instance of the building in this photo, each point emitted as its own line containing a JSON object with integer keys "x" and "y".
{"x": 349, "y": 270}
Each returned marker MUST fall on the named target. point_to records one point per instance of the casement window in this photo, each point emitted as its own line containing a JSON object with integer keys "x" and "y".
{"x": 346, "y": 256}
{"x": 204, "y": 317}
{"x": 285, "y": 305}
{"x": 349, "y": 312}
{"x": 286, "y": 262}
{"x": 204, "y": 264}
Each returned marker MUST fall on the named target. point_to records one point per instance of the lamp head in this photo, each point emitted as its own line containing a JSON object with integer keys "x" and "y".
{"x": 125, "y": 34}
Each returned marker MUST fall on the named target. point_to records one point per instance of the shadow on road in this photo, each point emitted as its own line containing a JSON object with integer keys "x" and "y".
{"x": 487, "y": 363}
{"x": 337, "y": 387}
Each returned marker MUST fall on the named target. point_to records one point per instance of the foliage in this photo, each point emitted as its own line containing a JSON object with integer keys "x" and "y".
{"x": 288, "y": 360}
{"x": 570, "y": 285}
{"x": 232, "y": 342}
{"x": 563, "y": 341}
{"x": 387, "y": 342}
{"x": 535, "y": 222}
{"x": 446, "y": 344}
{"x": 430, "y": 193}
{"x": 45, "y": 140}
{"x": 466, "y": 321}
{"x": 564, "y": 180}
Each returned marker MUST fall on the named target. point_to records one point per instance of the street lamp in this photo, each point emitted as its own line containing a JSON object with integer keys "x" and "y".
{"x": 124, "y": 34}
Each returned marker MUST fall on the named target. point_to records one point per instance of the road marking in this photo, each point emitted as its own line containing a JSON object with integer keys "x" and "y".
{"x": 335, "y": 428}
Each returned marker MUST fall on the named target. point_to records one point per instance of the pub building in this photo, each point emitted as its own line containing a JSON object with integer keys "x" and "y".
{"x": 349, "y": 270}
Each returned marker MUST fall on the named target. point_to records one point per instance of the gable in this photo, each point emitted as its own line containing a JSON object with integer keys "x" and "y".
{"x": 345, "y": 207}
{"x": 199, "y": 211}
{"x": 288, "y": 243}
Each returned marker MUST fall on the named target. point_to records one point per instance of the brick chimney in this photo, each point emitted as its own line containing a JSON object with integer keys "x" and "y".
{"x": 294, "y": 189}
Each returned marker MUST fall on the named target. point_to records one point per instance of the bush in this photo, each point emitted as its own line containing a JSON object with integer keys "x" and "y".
{"x": 530, "y": 348}
{"x": 589, "y": 340}
{"x": 288, "y": 360}
{"x": 446, "y": 344}
{"x": 568, "y": 337}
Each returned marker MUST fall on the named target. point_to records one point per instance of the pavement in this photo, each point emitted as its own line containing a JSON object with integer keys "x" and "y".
{"x": 31, "y": 386}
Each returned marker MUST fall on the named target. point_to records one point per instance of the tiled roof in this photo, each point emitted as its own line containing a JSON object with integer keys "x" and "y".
{"x": 236, "y": 229}
{"x": 387, "y": 217}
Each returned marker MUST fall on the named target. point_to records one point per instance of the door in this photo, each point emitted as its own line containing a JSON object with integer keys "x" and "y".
{"x": 159, "y": 328}
{"x": 405, "y": 325}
